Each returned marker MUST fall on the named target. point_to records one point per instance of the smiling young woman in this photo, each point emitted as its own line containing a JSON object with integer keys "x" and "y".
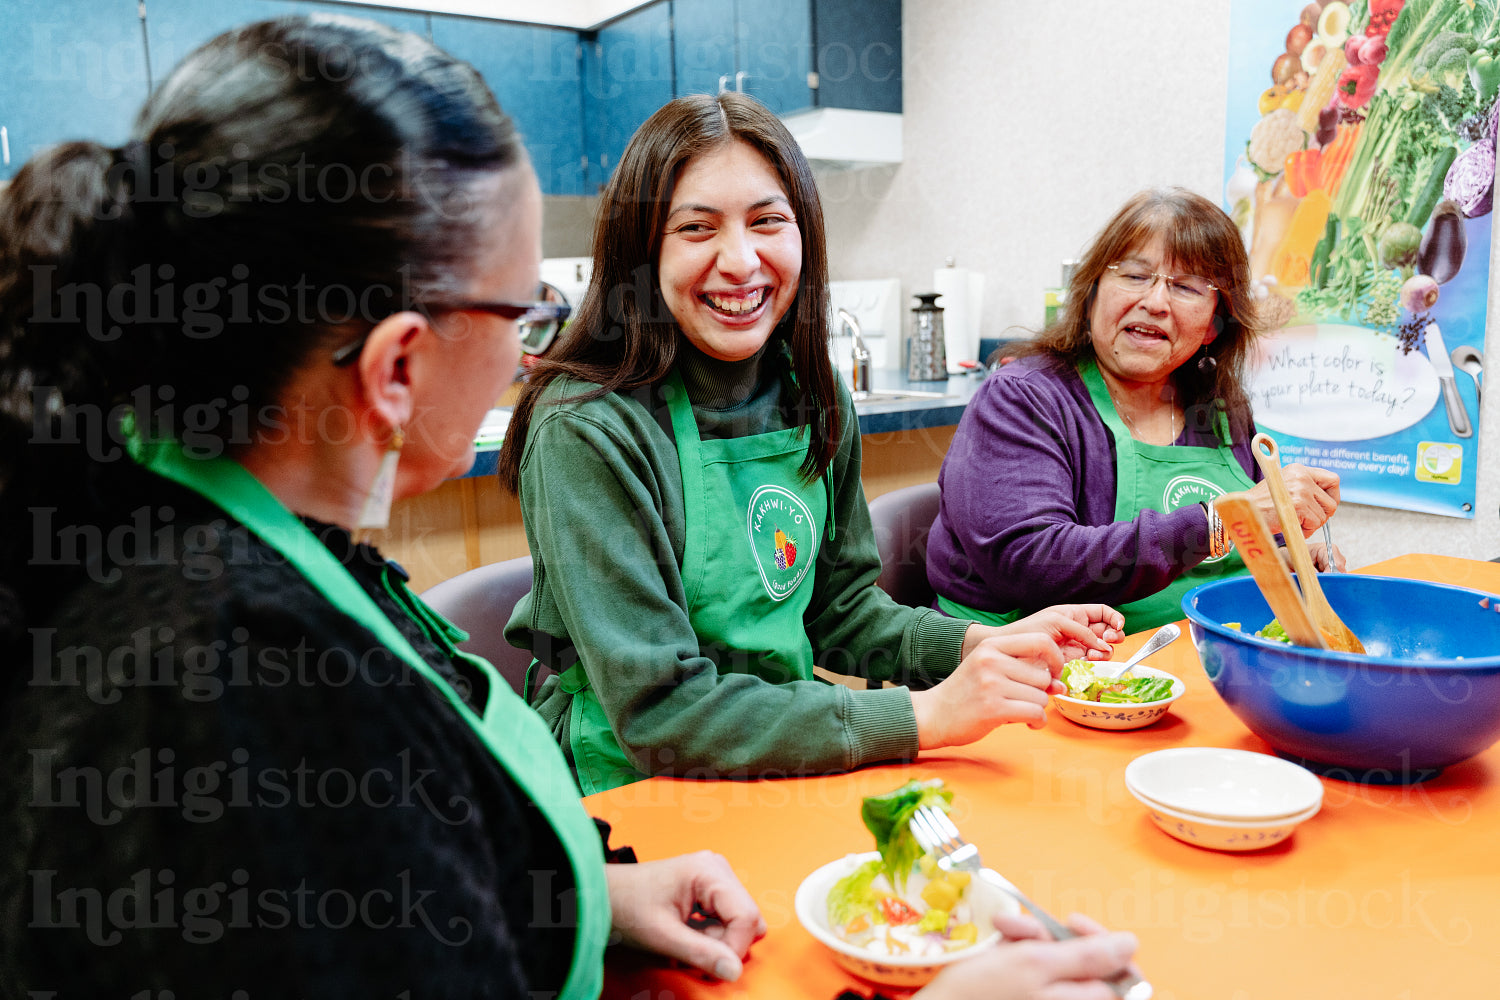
{"x": 731, "y": 256}
{"x": 689, "y": 474}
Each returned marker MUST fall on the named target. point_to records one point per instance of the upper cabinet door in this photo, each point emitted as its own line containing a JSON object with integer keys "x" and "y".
{"x": 177, "y": 27}
{"x": 535, "y": 74}
{"x": 703, "y": 45}
{"x": 760, "y": 47}
{"x": 775, "y": 52}
{"x": 858, "y": 54}
{"x": 627, "y": 77}
{"x": 76, "y": 69}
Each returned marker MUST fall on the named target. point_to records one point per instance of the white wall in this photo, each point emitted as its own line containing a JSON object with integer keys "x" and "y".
{"x": 1026, "y": 125}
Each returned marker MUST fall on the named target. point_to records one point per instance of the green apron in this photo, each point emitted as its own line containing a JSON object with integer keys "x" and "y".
{"x": 1153, "y": 477}
{"x": 509, "y": 729}
{"x": 753, "y": 528}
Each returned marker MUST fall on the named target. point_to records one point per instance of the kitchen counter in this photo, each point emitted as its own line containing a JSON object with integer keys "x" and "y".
{"x": 876, "y": 416}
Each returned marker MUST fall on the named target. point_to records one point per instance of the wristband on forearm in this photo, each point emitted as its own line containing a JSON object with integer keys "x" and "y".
{"x": 1218, "y": 543}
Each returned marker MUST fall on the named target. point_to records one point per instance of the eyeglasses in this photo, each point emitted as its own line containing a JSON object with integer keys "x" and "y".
{"x": 1184, "y": 289}
{"x": 539, "y": 323}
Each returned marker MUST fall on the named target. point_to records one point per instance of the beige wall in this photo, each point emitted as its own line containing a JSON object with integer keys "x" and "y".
{"x": 1026, "y": 124}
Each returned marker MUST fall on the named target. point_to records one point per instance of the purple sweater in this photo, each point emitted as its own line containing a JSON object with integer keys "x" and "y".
{"x": 1028, "y": 503}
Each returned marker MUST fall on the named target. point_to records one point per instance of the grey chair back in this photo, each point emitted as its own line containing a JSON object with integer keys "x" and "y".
{"x": 480, "y": 602}
{"x": 902, "y": 519}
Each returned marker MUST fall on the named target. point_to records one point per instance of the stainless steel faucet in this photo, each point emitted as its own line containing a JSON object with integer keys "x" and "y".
{"x": 861, "y": 353}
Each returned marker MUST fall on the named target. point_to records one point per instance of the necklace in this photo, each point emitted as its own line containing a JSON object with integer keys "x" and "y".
{"x": 1134, "y": 431}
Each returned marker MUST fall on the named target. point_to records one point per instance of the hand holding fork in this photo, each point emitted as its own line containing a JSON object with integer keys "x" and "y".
{"x": 936, "y": 834}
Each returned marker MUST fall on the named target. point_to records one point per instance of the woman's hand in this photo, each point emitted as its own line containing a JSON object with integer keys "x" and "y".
{"x": 1006, "y": 678}
{"x": 1080, "y": 630}
{"x": 1325, "y": 559}
{"x": 1031, "y": 966}
{"x": 1315, "y": 496}
{"x": 651, "y": 904}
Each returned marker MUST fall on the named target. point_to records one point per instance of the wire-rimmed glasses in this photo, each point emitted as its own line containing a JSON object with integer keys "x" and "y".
{"x": 1183, "y": 289}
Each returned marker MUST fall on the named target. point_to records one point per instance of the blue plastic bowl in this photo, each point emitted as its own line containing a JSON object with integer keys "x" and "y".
{"x": 1426, "y": 696}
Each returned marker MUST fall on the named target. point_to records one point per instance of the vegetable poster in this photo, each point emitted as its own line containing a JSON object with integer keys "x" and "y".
{"x": 1360, "y": 166}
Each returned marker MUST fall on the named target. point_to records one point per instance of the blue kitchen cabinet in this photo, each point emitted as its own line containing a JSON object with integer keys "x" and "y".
{"x": 417, "y": 22}
{"x": 76, "y": 70}
{"x": 775, "y": 52}
{"x": 703, "y": 45}
{"x": 535, "y": 73}
{"x": 858, "y": 45}
{"x": 176, "y": 27}
{"x": 760, "y": 47}
{"x": 627, "y": 73}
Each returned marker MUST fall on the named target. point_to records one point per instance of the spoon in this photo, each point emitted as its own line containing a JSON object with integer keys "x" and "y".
{"x": 1252, "y": 539}
{"x": 1323, "y": 616}
{"x": 1159, "y": 638}
{"x": 1471, "y": 361}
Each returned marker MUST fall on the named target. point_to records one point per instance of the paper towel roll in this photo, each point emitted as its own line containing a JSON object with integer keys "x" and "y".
{"x": 962, "y": 294}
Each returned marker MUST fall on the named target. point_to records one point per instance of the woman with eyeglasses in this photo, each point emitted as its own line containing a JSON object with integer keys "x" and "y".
{"x": 688, "y": 467}
{"x": 241, "y": 758}
{"x": 1086, "y": 470}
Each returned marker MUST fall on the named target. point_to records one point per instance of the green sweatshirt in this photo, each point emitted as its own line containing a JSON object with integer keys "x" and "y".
{"x": 602, "y": 501}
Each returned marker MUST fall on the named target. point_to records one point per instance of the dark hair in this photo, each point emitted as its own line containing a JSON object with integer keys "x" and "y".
{"x": 623, "y": 336}
{"x": 290, "y": 184}
{"x": 1201, "y": 240}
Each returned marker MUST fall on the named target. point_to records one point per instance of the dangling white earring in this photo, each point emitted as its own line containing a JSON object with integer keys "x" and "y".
{"x": 376, "y": 514}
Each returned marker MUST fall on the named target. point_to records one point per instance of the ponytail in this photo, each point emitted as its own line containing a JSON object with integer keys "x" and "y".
{"x": 59, "y": 222}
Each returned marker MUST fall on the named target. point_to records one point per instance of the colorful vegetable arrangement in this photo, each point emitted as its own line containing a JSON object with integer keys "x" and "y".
{"x": 1375, "y": 142}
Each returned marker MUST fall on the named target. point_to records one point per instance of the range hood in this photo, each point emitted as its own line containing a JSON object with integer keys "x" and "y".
{"x": 844, "y": 138}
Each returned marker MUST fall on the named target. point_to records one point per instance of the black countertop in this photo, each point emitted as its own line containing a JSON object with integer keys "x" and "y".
{"x": 876, "y": 415}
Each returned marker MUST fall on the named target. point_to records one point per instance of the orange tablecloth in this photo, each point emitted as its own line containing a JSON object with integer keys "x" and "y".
{"x": 1389, "y": 893}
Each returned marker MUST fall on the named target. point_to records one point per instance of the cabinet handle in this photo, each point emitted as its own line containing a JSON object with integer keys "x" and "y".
{"x": 4, "y": 145}
{"x": 739, "y": 81}
{"x": 723, "y": 83}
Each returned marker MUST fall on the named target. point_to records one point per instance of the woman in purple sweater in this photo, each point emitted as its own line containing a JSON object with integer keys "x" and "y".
{"x": 1085, "y": 470}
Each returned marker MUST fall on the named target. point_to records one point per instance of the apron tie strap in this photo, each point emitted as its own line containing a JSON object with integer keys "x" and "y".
{"x": 830, "y": 532}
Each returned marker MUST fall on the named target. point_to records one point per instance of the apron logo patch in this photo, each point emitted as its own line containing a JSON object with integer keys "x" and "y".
{"x": 782, "y": 534}
{"x": 1184, "y": 491}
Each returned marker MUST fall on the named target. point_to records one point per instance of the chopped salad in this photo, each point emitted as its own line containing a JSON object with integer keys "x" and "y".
{"x": 1271, "y": 630}
{"x": 903, "y": 904}
{"x": 1127, "y": 689}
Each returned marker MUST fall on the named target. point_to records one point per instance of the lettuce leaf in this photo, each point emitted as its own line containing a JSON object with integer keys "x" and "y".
{"x": 1274, "y": 630}
{"x": 853, "y": 894}
{"x": 888, "y": 817}
{"x": 1128, "y": 689}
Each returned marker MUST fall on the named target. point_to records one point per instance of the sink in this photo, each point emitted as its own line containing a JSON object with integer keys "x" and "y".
{"x": 896, "y": 395}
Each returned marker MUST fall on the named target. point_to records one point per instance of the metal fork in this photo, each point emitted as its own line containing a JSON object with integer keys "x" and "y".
{"x": 936, "y": 834}
{"x": 1328, "y": 544}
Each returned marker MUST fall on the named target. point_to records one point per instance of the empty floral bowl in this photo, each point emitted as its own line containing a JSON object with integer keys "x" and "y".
{"x": 1427, "y": 695}
{"x": 1220, "y": 834}
{"x": 1127, "y": 716}
{"x": 1218, "y": 783}
{"x": 811, "y": 905}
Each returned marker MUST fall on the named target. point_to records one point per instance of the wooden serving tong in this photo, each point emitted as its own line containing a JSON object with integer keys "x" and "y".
{"x": 1323, "y": 616}
{"x": 1252, "y": 539}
